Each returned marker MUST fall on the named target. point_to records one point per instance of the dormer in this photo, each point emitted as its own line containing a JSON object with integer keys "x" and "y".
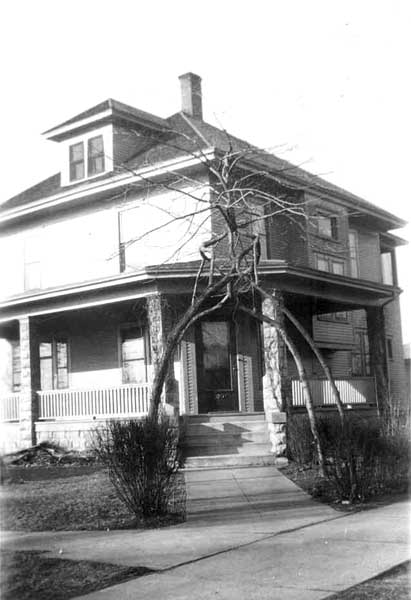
{"x": 100, "y": 140}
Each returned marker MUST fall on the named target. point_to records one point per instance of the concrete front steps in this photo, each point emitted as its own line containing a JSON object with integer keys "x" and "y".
{"x": 227, "y": 439}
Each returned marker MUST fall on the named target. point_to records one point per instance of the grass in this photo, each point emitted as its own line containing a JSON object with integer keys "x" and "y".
{"x": 27, "y": 575}
{"x": 61, "y": 498}
{"x": 309, "y": 479}
{"x": 391, "y": 585}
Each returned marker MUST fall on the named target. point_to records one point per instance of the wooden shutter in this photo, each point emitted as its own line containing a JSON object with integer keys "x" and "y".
{"x": 189, "y": 373}
{"x": 245, "y": 344}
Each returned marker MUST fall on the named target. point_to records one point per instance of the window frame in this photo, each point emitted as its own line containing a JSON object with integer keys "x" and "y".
{"x": 353, "y": 253}
{"x": 339, "y": 317}
{"x": 126, "y": 327}
{"x": 91, "y": 156}
{"x": 54, "y": 341}
{"x": 15, "y": 366}
{"x": 74, "y": 163}
{"x": 330, "y": 261}
{"x": 320, "y": 217}
{"x": 32, "y": 261}
{"x": 361, "y": 350}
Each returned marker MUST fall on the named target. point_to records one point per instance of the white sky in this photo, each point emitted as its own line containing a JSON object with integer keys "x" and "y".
{"x": 325, "y": 83}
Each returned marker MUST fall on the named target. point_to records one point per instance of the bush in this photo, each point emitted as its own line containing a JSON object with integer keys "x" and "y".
{"x": 363, "y": 459}
{"x": 300, "y": 443}
{"x": 143, "y": 461}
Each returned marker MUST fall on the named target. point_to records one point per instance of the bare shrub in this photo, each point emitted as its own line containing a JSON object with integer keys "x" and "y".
{"x": 362, "y": 460}
{"x": 300, "y": 443}
{"x": 143, "y": 462}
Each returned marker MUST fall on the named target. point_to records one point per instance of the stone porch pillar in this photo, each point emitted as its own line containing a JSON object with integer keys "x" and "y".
{"x": 30, "y": 381}
{"x": 378, "y": 354}
{"x": 160, "y": 322}
{"x": 276, "y": 383}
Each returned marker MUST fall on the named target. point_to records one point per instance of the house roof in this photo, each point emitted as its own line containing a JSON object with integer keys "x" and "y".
{"x": 185, "y": 135}
{"x": 112, "y": 109}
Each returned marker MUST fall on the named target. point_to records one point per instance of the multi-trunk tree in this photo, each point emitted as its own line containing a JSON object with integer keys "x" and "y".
{"x": 239, "y": 201}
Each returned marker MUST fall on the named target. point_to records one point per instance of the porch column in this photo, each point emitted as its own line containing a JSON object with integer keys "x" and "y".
{"x": 275, "y": 381}
{"x": 160, "y": 322}
{"x": 30, "y": 381}
{"x": 378, "y": 354}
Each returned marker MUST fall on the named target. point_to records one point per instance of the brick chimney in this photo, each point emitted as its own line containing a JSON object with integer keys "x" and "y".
{"x": 191, "y": 98}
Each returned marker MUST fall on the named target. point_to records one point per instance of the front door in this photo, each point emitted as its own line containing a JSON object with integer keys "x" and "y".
{"x": 216, "y": 366}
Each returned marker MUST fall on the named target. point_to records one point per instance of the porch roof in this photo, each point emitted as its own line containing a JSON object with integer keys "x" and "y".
{"x": 178, "y": 278}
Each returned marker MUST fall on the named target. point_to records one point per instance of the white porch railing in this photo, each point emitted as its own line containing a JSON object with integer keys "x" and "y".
{"x": 358, "y": 390}
{"x": 10, "y": 407}
{"x": 123, "y": 400}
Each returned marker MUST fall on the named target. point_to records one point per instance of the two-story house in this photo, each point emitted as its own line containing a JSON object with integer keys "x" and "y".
{"x": 98, "y": 260}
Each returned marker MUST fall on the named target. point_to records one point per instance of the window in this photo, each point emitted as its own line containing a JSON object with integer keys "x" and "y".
{"x": 95, "y": 151}
{"x": 390, "y": 354}
{"x": 341, "y": 316}
{"x": 361, "y": 353}
{"x": 353, "y": 253}
{"x": 15, "y": 367}
{"x": 53, "y": 364}
{"x": 77, "y": 170}
{"x": 387, "y": 268}
{"x": 330, "y": 264}
{"x": 326, "y": 226}
{"x": 95, "y": 158}
{"x": 133, "y": 355}
{"x": 32, "y": 263}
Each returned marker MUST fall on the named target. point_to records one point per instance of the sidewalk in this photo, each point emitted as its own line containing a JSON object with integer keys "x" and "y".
{"x": 250, "y": 533}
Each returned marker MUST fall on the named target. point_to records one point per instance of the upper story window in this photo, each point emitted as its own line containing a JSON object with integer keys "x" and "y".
{"x": 77, "y": 169}
{"x": 326, "y": 226}
{"x": 95, "y": 158}
{"x": 329, "y": 264}
{"x": 387, "y": 270}
{"x": 32, "y": 263}
{"x": 95, "y": 151}
{"x": 353, "y": 252}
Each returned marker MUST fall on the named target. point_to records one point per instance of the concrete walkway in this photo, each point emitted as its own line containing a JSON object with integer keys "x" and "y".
{"x": 250, "y": 533}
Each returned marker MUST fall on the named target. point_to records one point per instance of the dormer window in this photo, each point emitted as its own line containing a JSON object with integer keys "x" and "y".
{"x": 95, "y": 158}
{"x": 77, "y": 161}
{"x": 95, "y": 151}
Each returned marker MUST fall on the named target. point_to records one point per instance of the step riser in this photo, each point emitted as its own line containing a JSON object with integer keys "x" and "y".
{"x": 226, "y": 440}
{"x": 203, "y": 462}
{"x": 224, "y": 418}
{"x": 246, "y": 450}
{"x": 233, "y": 428}
{"x": 210, "y": 439}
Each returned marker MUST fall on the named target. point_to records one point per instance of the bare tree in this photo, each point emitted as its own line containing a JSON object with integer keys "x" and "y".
{"x": 240, "y": 200}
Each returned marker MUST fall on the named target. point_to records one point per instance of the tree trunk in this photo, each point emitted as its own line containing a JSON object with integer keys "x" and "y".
{"x": 327, "y": 372}
{"x": 304, "y": 382}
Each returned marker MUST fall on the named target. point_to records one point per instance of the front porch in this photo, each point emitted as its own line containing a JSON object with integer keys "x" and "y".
{"x": 72, "y": 370}
{"x": 68, "y": 416}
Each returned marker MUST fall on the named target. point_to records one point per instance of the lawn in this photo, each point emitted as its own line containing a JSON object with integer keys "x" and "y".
{"x": 391, "y": 585}
{"x": 28, "y": 575}
{"x": 61, "y": 498}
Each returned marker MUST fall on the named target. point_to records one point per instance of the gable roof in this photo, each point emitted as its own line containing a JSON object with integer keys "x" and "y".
{"x": 185, "y": 135}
